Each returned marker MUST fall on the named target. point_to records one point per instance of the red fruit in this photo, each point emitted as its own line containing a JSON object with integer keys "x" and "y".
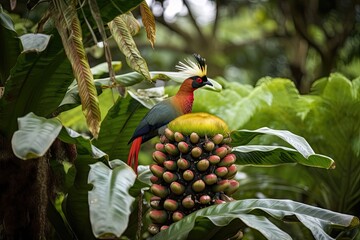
{"x": 209, "y": 146}
{"x": 159, "y": 157}
{"x": 183, "y": 164}
{"x": 177, "y": 188}
{"x": 214, "y": 159}
{"x": 188, "y": 175}
{"x": 158, "y": 216}
{"x": 155, "y": 179}
{"x": 232, "y": 170}
{"x": 221, "y": 151}
{"x": 183, "y": 147}
{"x": 169, "y": 134}
{"x": 187, "y": 202}
{"x": 170, "y": 165}
{"x": 177, "y": 216}
{"x": 171, "y": 149}
{"x": 227, "y": 160}
{"x": 196, "y": 152}
{"x": 233, "y": 187}
{"x": 218, "y": 201}
{"x": 179, "y": 137}
{"x": 194, "y": 138}
{"x": 164, "y": 227}
{"x": 205, "y": 199}
{"x": 210, "y": 179}
{"x": 221, "y": 186}
{"x": 198, "y": 186}
{"x": 218, "y": 138}
{"x": 169, "y": 177}
{"x": 221, "y": 171}
{"x": 159, "y": 190}
{"x": 171, "y": 205}
{"x": 157, "y": 170}
{"x": 159, "y": 147}
{"x": 203, "y": 165}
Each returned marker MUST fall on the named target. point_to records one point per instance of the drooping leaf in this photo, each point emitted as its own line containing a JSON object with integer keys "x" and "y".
{"x": 37, "y": 83}
{"x": 109, "y": 200}
{"x": 252, "y": 213}
{"x": 35, "y": 136}
{"x": 127, "y": 46}
{"x": 132, "y": 23}
{"x": 242, "y": 137}
{"x": 102, "y": 69}
{"x": 118, "y": 126}
{"x": 257, "y": 155}
{"x": 149, "y": 22}
{"x": 68, "y": 25}
{"x": 10, "y": 46}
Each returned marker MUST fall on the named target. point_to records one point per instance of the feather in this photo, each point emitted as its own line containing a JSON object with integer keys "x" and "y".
{"x": 193, "y": 69}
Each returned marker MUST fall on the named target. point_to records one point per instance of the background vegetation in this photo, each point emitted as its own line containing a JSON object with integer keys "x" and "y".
{"x": 287, "y": 65}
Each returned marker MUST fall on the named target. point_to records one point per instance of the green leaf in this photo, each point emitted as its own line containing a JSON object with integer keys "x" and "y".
{"x": 274, "y": 155}
{"x": 35, "y": 136}
{"x": 118, "y": 127}
{"x": 10, "y": 46}
{"x": 37, "y": 83}
{"x": 75, "y": 205}
{"x": 252, "y": 212}
{"x": 35, "y": 42}
{"x": 109, "y": 200}
{"x": 83, "y": 144}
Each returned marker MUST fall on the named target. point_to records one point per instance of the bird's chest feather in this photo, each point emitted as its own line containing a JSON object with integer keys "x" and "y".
{"x": 184, "y": 103}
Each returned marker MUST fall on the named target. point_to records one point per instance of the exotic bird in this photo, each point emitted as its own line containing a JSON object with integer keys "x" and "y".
{"x": 169, "y": 109}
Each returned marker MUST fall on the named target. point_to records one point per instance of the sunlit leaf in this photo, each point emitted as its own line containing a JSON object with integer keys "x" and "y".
{"x": 258, "y": 155}
{"x": 128, "y": 47}
{"x": 35, "y": 136}
{"x": 131, "y": 22}
{"x": 109, "y": 200}
{"x": 149, "y": 22}
{"x": 254, "y": 214}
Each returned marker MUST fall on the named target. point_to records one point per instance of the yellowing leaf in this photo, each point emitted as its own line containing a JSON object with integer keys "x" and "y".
{"x": 128, "y": 47}
{"x": 131, "y": 22}
{"x": 68, "y": 25}
{"x": 149, "y": 22}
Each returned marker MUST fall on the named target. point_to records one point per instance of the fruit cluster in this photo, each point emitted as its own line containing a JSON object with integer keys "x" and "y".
{"x": 191, "y": 172}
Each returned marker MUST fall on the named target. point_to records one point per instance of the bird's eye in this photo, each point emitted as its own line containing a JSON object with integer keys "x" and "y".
{"x": 199, "y": 80}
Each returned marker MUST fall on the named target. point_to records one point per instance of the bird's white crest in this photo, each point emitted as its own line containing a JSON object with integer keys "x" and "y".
{"x": 193, "y": 69}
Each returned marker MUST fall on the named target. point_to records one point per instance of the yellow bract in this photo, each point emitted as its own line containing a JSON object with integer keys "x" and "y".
{"x": 201, "y": 123}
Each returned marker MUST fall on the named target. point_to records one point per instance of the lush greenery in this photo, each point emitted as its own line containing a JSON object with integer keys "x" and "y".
{"x": 60, "y": 183}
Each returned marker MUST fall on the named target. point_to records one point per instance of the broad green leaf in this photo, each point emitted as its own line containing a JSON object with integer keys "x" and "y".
{"x": 127, "y": 46}
{"x": 35, "y": 136}
{"x": 26, "y": 89}
{"x": 109, "y": 200}
{"x": 83, "y": 144}
{"x": 75, "y": 206}
{"x": 118, "y": 126}
{"x": 252, "y": 212}
{"x": 242, "y": 137}
{"x": 35, "y": 42}
{"x": 257, "y": 155}
{"x": 10, "y": 45}
{"x": 103, "y": 68}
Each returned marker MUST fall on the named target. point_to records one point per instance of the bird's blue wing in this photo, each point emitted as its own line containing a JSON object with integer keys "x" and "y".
{"x": 158, "y": 116}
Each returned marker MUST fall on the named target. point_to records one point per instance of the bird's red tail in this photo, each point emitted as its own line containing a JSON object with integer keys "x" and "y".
{"x": 133, "y": 158}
